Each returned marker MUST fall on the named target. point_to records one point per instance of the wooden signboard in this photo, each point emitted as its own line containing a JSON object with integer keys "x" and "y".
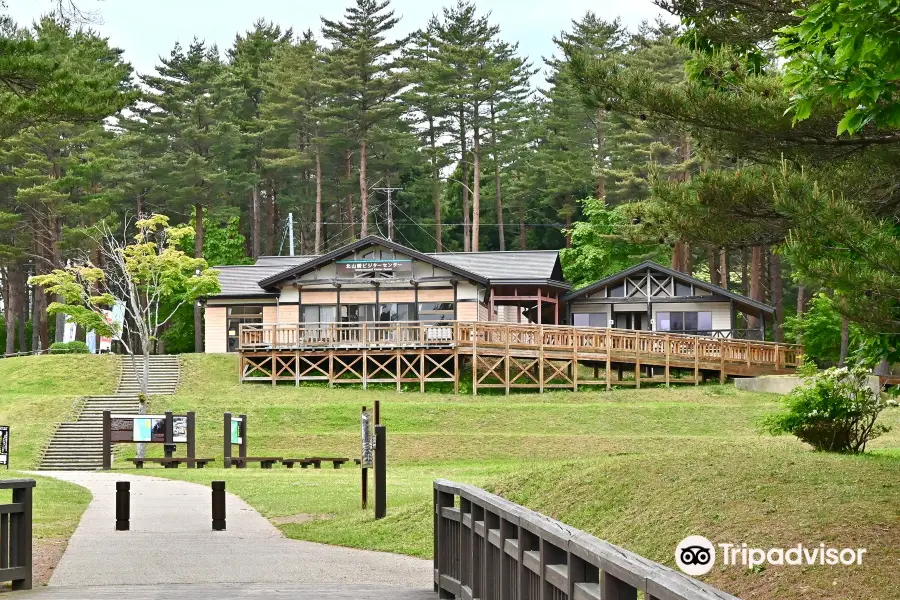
{"x": 4, "y": 445}
{"x": 368, "y": 439}
{"x": 372, "y": 265}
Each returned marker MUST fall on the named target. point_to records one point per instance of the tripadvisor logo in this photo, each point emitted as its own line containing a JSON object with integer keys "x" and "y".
{"x": 696, "y": 555}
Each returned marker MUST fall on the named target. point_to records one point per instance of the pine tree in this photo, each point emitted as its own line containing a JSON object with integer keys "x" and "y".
{"x": 363, "y": 78}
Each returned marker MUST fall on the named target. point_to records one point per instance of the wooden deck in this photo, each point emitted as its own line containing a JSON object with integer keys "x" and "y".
{"x": 500, "y": 355}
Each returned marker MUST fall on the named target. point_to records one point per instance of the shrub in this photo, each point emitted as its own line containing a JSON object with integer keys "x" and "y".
{"x": 834, "y": 410}
{"x": 75, "y": 347}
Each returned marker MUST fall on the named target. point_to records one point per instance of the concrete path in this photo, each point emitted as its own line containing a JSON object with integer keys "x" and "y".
{"x": 171, "y": 542}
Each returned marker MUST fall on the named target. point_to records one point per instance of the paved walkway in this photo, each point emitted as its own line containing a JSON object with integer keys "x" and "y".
{"x": 171, "y": 542}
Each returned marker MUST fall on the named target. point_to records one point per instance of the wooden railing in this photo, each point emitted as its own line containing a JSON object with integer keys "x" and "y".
{"x": 489, "y": 548}
{"x": 15, "y": 534}
{"x": 647, "y": 346}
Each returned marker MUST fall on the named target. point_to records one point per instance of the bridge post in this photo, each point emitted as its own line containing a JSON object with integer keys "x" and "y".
{"x": 123, "y": 505}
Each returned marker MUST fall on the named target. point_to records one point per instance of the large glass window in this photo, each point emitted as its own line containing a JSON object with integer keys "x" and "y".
{"x": 683, "y": 289}
{"x": 589, "y": 320}
{"x": 238, "y": 315}
{"x": 687, "y": 321}
{"x": 357, "y": 313}
{"x": 316, "y": 313}
{"x": 397, "y": 311}
{"x": 617, "y": 291}
{"x": 441, "y": 312}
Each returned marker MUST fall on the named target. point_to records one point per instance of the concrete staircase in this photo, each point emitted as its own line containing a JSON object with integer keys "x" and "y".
{"x": 78, "y": 445}
{"x": 165, "y": 372}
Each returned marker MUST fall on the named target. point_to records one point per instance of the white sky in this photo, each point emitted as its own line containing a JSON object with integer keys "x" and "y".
{"x": 148, "y": 29}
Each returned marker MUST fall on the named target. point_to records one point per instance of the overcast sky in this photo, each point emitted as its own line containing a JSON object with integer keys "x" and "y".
{"x": 147, "y": 29}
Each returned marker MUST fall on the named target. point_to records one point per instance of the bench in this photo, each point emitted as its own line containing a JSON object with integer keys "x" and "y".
{"x": 315, "y": 461}
{"x": 172, "y": 463}
{"x": 265, "y": 462}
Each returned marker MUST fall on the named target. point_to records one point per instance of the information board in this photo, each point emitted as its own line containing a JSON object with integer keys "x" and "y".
{"x": 368, "y": 439}
{"x": 236, "y": 430}
{"x": 4, "y": 445}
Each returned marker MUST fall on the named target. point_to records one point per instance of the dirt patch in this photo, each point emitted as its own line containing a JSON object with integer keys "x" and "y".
{"x": 299, "y": 518}
{"x": 45, "y": 555}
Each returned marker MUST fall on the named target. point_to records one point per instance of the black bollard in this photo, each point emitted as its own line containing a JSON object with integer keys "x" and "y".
{"x": 123, "y": 505}
{"x": 218, "y": 505}
{"x": 380, "y": 471}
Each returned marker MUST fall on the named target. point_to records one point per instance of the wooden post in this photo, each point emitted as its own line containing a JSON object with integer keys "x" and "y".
{"x": 668, "y": 353}
{"x": 637, "y": 360}
{"x": 696, "y": 362}
{"x": 398, "y": 363}
{"x": 474, "y": 360}
{"x": 20, "y": 546}
{"x": 506, "y": 358}
{"x": 365, "y": 480}
{"x": 274, "y": 357}
{"x": 380, "y": 471}
{"x": 608, "y": 360}
{"x": 242, "y": 449}
{"x": 107, "y": 441}
{"x": 227, "y": 437}
{"x": 123, "y": 505}
{"x": 378, "y": 412}
{"x": 456, "y": 370}
{"x": 540, "y": 308}
{"x": 365, "y": 368}
{"x": 421, "y": 370}
{"x": 191, "y": 438}
{"x": 540, "y": 354}
{"x": 169, "y": 434}
{"x": 574, "y": 335}
{"x": 218, "y": 506}
{"x": 722, "y": 362}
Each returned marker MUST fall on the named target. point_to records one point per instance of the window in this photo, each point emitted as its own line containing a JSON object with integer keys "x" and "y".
{"x": 617, "y": 291}
{"x": 436, "y": 311}
{"x": 688, "y": 321}
{"x": 357, "y": 313}
{"x": 589, "y": 320}
{"x": 315, "y": 313}
{"x": 397, "y": 311}
{"x": 683, "y": 289}
{"x": 238, "y": 315}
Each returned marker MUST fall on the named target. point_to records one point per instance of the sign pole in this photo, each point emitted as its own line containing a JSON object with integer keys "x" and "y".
{"x": 242, "y": 450}
{"x": 227, "y": 437}
{"x": 107, "y": 440}
{"x": 364, "y": 469}
{"x": 380, "y": 471}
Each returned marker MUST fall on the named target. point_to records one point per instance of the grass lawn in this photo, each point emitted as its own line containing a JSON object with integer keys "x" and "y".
{"x": 640, "y": 468}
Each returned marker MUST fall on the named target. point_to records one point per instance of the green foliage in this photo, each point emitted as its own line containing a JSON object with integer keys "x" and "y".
{"x": 601, "y": 245}
{"x": 845, "y": 52}
{"x": 818, "y": 329}
{"x": 834, "y": 411}
{"x": 73, "y": 347}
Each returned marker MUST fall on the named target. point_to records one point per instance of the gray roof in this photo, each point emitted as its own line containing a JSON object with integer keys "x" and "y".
{"x": 285, "y": 262}
{"x": 511, "y": 265}
{"x": 242, "y": 281}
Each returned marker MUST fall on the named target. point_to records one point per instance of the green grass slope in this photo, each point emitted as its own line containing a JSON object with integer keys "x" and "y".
{"x": 641, "y": 468}
{"x": 36, "y": 392}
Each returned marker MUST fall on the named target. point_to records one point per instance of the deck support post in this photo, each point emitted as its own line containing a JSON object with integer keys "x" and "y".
{"x": 540, "y": 357}
{"x": 506, "y": 359}
{"x": 297, "y": 369}
{"x": 474, "y": 361}
{"x": 637, "y": 361}
{"x": 365, "y": 369}
{"x": 722, "y": 376}
{"x": 422, "y": 370}
{"x": 696, "y": 362}
{"x": 608, "y": 360}
{"x": 398, "y": 365}
{"x": 668, "y": 352}
{"x": 456, "y": 371}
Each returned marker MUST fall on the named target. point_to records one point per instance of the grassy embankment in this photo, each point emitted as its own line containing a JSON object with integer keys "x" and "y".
{"x": 641, "y": 468}
{"x": 35, "y": 394}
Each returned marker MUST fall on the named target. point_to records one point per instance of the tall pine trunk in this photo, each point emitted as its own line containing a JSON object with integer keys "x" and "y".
{"x": 318, "y": 247}
{"x": 9, "y": 313}
{"x": 712, "y": 265}
{"x": 756, "y": 288}
{"x": 600, "y": 190}
{"x": 348, "y": 170}
{"x": 567, "y": 224}
{"x": 199, "y": 228}
{"x": 467, "y": 233}
{"x": 435, "y": 185}
{"x": 523, "y": 232}
{"x": 476, "y": 188}
{"x": 801, "y": 299}
{"x": 723, "y": 268}
{"x": 777, "y": 300}
{"x": 271, "y": 218}
{"x": 498, "y": 199}
{"x": 255, "y": 219}
{"x": 363, "y": 189}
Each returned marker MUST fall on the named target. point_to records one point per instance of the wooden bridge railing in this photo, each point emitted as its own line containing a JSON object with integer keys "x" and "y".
{"x": 489, "y": 548}
{"x": 623, "y": 343}
{"x": 15, "y": 534}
